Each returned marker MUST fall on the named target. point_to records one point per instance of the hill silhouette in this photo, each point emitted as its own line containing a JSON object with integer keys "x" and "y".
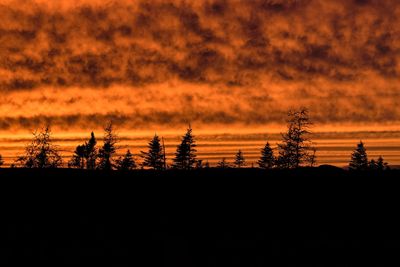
{"x": 207, "y": 217}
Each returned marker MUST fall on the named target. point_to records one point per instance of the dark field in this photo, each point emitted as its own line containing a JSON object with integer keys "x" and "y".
{"x": 308, "y": 217}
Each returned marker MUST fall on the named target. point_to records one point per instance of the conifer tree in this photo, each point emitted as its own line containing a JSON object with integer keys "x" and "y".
{"x": 359, "y": 158}
{"x": 381, "y": 165}
{"x": 155, "y": 156}
{"x": 239, "y": 159}
{"x": 126, "y": 162}
{"x": 91, "y": 152}
{"x": 1, "y": 160}
{"x": 108, "y": 150}
{"x": 295, "y": 147}
{"x": 267, "y": 159}
{"x": 185, "y": 156}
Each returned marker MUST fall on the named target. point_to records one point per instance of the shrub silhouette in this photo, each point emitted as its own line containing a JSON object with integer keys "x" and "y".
{"x": 267, "y": 159}
{"x": 185, "y": 156}
{"x": 1, "y": 161}
{"x": 40, "y": 153}
{"x": 359, "y": 158}
{"x": 78, "y": 158}
{"x": 126, "y": 162}
{"x": 155, "y": 157}
{"x": 223, "y": 164}
{"x": 295, "y": 147}
{"x": 108, "y": 150}
{"x": 239, "y": 159}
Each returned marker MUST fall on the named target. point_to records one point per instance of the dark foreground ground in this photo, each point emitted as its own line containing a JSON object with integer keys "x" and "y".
{"x": 309, "y": 217}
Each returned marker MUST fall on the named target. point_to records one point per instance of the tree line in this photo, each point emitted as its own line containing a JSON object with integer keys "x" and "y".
{"x": 295, "y": 150}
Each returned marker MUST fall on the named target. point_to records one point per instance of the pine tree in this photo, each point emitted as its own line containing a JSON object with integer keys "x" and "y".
{"x": 239, "y": 159}
{"x": 1, "y": 161}
{"x": 359, "y": 158}
{"x": 108, "y": 150}
{"x": 41, "y": 153}
{"x": 78, "y": 158}
{"x": 91, "y": 152}
{"x": 154, "y": 158}
{"x": 295, "y": 147}
{"x": 185, "y": 156}
{"x": 267, "y": 159}
{"x": 126, "y": 163}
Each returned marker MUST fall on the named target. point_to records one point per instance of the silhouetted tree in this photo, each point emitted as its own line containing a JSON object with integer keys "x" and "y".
{"x": 41, "y": 153}
{"x": 185, "y": 156}
{"x": 207, "y": 165}
{"x": 223, "y": 164}
{"x": 1, "y": 160}
{"x": 359, "y": 158}
{"x": 126, "y": 162}
{"x": 239, "y": 159}
{"x": 107, "y": 151}
{"x": 295, "y": 147}
{"x": 78, "y": 158}
{"x": 381, "y": 165}
{"x": 91, "y": 152}
{"x": 155, "y": 157}
{"x": 267, "y": 159}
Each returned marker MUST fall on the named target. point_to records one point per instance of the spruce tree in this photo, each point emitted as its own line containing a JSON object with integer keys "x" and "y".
{"x": 295, "y": 146}
{"x": 154, "y": 158}
{"x": 1, "y": 160}
{"x": 267, "y": 159}
{"x": 108, "y": 150}
{"x": 185, "y": 156}
{"x": 126, "y": 162}
{"x": 381, "y": 165}
{"x": 359, "y": 158}
{"x": 91, "y": 152}
{"x": 239, "y": 159}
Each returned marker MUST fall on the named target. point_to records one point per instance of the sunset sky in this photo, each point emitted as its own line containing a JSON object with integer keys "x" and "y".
{"x": 234, "y": 64}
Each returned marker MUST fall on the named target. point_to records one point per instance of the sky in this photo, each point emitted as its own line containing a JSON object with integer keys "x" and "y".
{"x": 223, "y": 64}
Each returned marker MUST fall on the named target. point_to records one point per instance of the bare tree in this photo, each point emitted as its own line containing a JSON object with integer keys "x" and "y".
{"x": 41, "y": 152}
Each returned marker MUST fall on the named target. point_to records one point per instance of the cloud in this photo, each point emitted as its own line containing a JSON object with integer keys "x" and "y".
{"x": 244, "y": 61}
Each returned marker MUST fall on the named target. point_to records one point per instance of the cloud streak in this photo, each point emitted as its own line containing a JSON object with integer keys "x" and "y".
{"x": 211, "y": 62}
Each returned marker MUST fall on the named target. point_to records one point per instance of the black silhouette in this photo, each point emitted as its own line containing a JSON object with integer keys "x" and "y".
{"x": 223, "y": 164}
{"x": 91, "y": 152}
{"x": 78, "y": 158}
{"x": 267, "y": 160}
{"x": 126, "y": 162}
{"x": 155, "y": 157}
{"x": 1, "y": 160}
{"x": 41, "y": 152}
{"x": 108, "y": 150}
{"x": 239, "y": 160}
{"x": 359, "y": 158}
{"x": 185, "y": 156}
{"x": 295, "y": 147}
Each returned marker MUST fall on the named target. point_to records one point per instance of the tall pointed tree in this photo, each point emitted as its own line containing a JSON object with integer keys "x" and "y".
{"x": 239, "y": 159}
{"x": 185, "y": 156}
{"x": 155, "y": 156}
{"x": 359, "y": 158}
{"x": 108, "y": 150}
{"x": 126, "y": 162}
{"x": 91, "y": 152}
{"x": 296, "y": 145}
{"x": 267, "y": 159}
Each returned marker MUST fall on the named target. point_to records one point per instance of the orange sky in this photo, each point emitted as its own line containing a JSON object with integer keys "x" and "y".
{"x": 228, "y": 64}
